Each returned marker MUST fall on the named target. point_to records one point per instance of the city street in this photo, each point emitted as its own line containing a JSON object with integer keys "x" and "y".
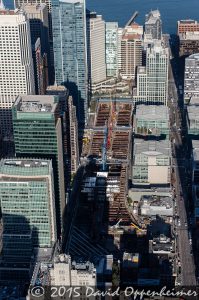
{"x": 186, "y": 274}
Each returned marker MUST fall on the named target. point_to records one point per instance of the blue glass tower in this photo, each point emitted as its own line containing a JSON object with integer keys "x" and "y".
{"x": 69, "y": 43}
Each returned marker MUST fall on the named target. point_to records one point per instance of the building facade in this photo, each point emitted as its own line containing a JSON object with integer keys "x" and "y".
{"x": 189, "y": 43}
{"x": 37, "y": 125}
{"x": 111, "y": 49}
{"x": 184, "y": 26}
{"x": 70, "y": 54}
{"x": 96, "y": 48}
{"x": 151, "y": 162}
{"x": 191, "y": 77}
{"x": 152, "y": 80}
{"x": 131, "y": 55}
{"x": 16, "y": 64}
{"x": 27, "y": 197}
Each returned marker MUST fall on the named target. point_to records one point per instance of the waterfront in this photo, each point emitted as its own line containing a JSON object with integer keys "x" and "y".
{"x": 171, "y": 10}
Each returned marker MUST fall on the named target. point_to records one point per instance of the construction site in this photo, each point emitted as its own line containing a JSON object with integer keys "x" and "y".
{"x": 103, "y": 216}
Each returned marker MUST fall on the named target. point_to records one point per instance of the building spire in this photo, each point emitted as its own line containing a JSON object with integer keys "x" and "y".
{"x": 2, "y": 7}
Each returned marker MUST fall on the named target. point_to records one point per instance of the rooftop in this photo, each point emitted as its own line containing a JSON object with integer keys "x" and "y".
{"x": 193, "y": 112}
{"x": 24, "y": 167}
{"x": 151, "y": 112}
{"x": 152, "y": 148}
{"x": 195, "y": 149}
{"x": 36, "y": 103}
{"x": 33, "y": 8}
{"x": 153, "y": 200}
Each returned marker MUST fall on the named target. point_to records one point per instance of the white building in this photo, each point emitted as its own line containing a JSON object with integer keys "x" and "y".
{"x": 191, "y": 78}
{"x": 153, "y": 26}
{"x": 16, "y": 65}
{"x": 152, "y": 80}
{"x": 111, "y": 49}
{"x": 151, "y": 162}
{"x": 96, "y": 48}
{"x": 68, "y": 273}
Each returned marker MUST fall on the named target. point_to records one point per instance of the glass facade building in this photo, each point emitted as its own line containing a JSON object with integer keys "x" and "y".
{"x": 37, "y": 125}
{"x": 27, "y": 203}
{"x": 111, "y": 49}
{"x": 70, "y": 56}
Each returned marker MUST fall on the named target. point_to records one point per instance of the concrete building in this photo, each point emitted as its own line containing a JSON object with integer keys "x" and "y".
{"x": 131, "y": 50}
{"x": 151, "y": 162}
{"x": 193, "y": 120}
{"x": 189, "y": 43}
{"x": 40, "y": 62}
{"x": 195, "y": 179}
{"x": 39, "y": 29}
{"x": 151, "y": 120}
{"x": 38, "y": 133}
{"x": 152, "y": 80}
{"x": 48, "y": 3}
{"x": 37, "y": 15}
{"x": 74, "y": 146}
{"x": 153, "y": 25}
{"x": 162, "y": 245}
{"x": 111, "y": 49}
{"x": 70, "y": 50}
{"x": 27, "y": 192}
{"x": 119, "y": 41}
{"x": 191, "y": 78}
{"x": 131, "y": 55}
{"x": 16, "y": 67}
{"x": 184, "y": 26}
{"x": 96, "y": 48}
{"x": 62, "y": 271}
{"x": 156, "y": 205}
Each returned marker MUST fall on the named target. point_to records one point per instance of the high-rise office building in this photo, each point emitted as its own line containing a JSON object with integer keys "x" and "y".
{"x": 19, "y": 4}
{"x": 37, "y": 15}
{"x": 40, "y": 61}
{"x": 131, "y": 54}
{"x": 37, "y": 123}
{"x": 96, "y": 48}
{"x": 16, "y": 65}
{"x": 39, "y": 31}
{"x": 152, "y": 80}
{"x": 191, "y": 77}
{"x": 119, "y": 42}
{"x": 27, "y": 199}
{"x": 111, "y": 49}
{"x": 153, "y": 25}
{"x": 70, "y": 50}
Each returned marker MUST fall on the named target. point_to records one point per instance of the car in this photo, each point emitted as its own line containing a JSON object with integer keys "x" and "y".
{"x": 185, "y": 224}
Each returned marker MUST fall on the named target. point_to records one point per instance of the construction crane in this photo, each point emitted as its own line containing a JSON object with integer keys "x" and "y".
{"x": 104, "y": 148}
{"x": 137, "y": 228}
{"x": 116, "y": 225}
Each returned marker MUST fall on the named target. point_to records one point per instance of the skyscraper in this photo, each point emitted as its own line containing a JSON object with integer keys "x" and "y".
{"x": 152, "y": 80}
{"x": 38, "y": 133}
{"x": 27, "y": 199}
{"x": 16, "y": 65}
{"x": 70, "y": 55}
{"x": 96, "y": 48}
{"x": 191, "y": 77}
{"x": 153, "y": 25}
{"x": 111, "y": 49}
{"x": 39, "y": 31}
{"x": 131, "y": 54}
